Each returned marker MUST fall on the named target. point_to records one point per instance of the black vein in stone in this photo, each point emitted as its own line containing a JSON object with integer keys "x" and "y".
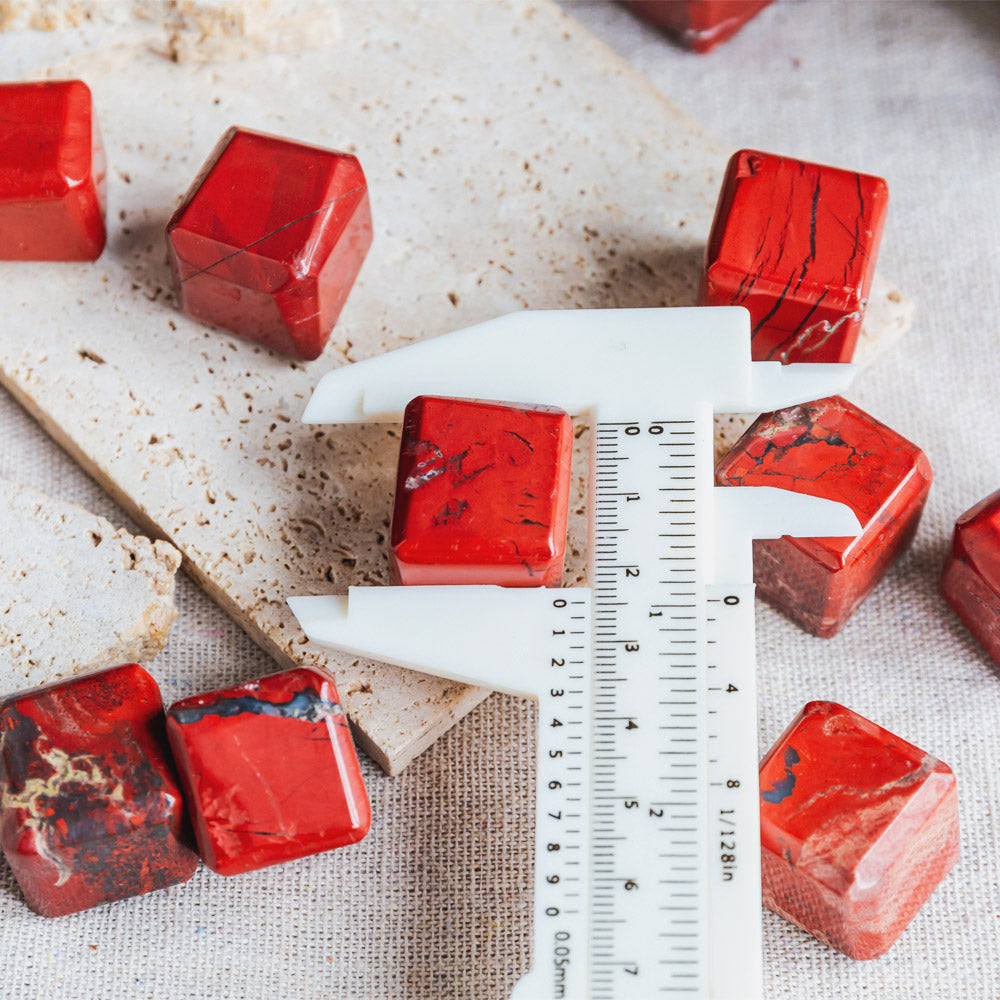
{"x": 777, "y": 305}
{"x": 305, "y": 705}
{"x": 274, "y": 232}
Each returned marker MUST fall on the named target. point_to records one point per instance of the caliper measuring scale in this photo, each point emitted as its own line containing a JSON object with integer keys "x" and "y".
{"x": 647, "y": 856}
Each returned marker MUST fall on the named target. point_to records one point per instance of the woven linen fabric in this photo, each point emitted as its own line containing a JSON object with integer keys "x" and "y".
{"x": 435, "y": 903}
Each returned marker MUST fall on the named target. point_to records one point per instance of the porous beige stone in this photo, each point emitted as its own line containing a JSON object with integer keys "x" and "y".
{"x": 581, "y": 187}
{"x": 189, "y": 30}
{"x": 205, "y": 30}
{"x": 77, "y": 594}
{"x": 55, "y": 15}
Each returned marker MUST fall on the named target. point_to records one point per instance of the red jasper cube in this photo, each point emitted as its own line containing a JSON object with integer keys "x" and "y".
{"x": 971, "y": 579}
{"x": 269, "y": 239}
{"x": 795, "y": 243}
{"x": 857, "y": 826}
{"x": 269, "y": 770}
{"x": 90, "y": 810}
{"x": 52, "y": 173}
{"x": 482, "y": 493}
{"x": 700, "y": 25}
{"x": 834, "y": 450}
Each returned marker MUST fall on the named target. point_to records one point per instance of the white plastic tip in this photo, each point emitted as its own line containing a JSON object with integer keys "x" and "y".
{"x": 315, "y": 615}
{"x": 776, "y": 385}
{"x": 338, "y": 399}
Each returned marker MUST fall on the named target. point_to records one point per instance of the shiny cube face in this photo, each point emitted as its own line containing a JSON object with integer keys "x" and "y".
{"x": 795, "y": 243}
{"x": 52, "y": 173}
{"x": 269, "y": 239}
{"x": 482, "y": 493}
{"x": 269, "y": 770}
{"x": 971, "y": 579}
{"x": 858, "y": 827}
{"x": 90, "y": 810}
{"x": 830, "y": 449}
{"x": 700, "y": 25}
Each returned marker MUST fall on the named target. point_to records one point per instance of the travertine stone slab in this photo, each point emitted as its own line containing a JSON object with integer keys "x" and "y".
{"x": 545, "y": 175}
{"x": 190, "y": 30}
{"x": 78, "y": 594}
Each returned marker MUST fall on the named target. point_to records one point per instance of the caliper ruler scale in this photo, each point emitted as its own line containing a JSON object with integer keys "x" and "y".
{"x": 647, "y": 878}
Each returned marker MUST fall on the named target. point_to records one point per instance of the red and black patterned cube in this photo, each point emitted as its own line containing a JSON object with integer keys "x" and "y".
{"x": 269, "y": 770}
{"x": 858, "y": 827}
{"x": 830, "y": 449}
{"x": 971, "y": 579}
{"x": 52, "y": 173}
{"x": 269, "y": 239}
{"x": 90, "y": 810}
{"x": 482, "y": 493}
{"x": 795, "y": 243}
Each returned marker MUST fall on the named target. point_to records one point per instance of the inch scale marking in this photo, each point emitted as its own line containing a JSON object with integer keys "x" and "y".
{"x": 647, "y": 880}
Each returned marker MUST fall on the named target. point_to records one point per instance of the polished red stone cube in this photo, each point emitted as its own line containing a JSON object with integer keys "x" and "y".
{"x": 857, "y": 826}
{"x": 482, "y": 493}
{"x": 52, "y": 173}
{"x": 90, "y": 810}
{"x": 795, "y": 243}
{"x": 269, "y": 239}
{"x": 971, "y": 579}
{"x": 831, "y": 449}
{"x": 700, "y": 25}
{"x": 269, "y": 770}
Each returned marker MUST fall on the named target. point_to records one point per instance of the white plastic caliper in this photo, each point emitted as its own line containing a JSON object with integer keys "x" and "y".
{"x": 647, "y": 859}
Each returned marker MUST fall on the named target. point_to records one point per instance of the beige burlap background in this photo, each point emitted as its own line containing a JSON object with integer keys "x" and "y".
{"x": 433, "y": 904}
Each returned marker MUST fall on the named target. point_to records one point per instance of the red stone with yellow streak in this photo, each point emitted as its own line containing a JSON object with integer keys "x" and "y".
{"x": 830, "y": 449}
{"x": 858, "y": 827}
{"x": 90, "y": 810}
{"x": 269, "y": 770}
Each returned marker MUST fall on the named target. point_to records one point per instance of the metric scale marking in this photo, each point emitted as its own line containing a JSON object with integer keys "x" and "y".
{"x": 647, "y": 880}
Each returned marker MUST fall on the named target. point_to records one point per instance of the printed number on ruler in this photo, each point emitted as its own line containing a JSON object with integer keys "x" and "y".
{"x": 562, "y": 781}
